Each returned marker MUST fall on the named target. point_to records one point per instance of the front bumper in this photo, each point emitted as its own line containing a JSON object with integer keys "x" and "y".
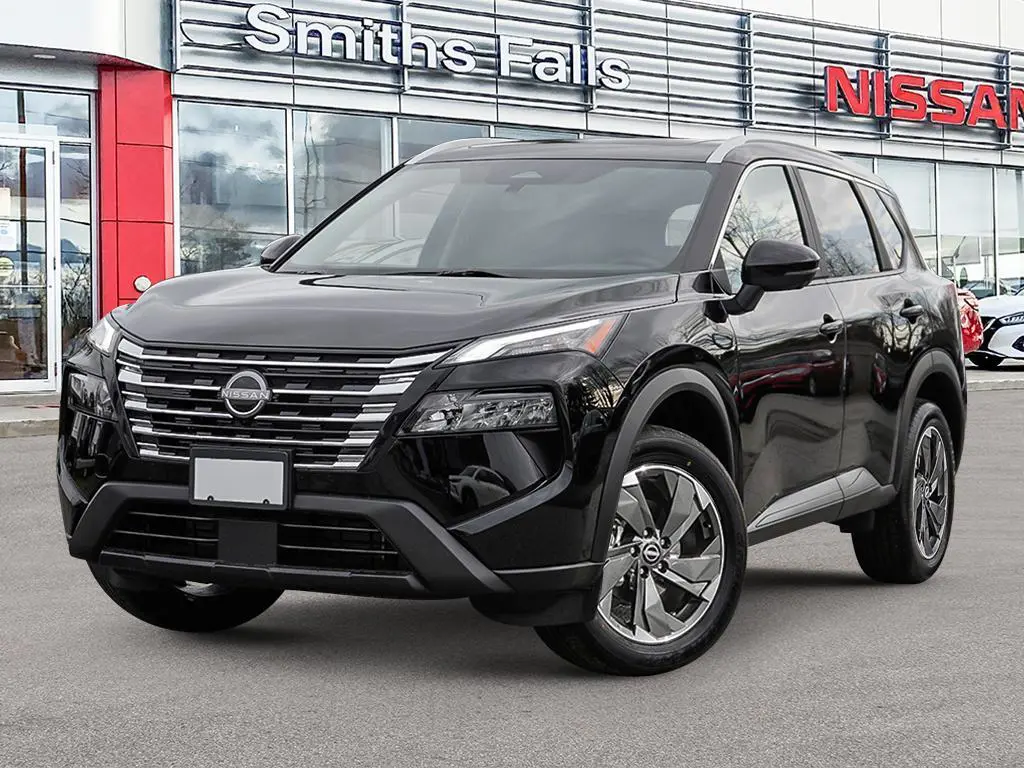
{"x": 1003, "y": 341}
{"x": 247, "y": 552}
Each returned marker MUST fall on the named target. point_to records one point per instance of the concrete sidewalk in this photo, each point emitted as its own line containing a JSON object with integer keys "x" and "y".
{"x": 33, "y": 415}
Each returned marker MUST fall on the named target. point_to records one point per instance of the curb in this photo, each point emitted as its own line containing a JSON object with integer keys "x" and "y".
{"x": 998, "y": 385}
{"x": 28, "y": 428}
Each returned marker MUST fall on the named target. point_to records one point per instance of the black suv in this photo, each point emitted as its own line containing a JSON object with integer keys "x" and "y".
{"x": 571, "y": 381}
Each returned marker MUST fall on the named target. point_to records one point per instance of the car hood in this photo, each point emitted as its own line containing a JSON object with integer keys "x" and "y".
{"x": 999, "y": 306}
{"x": 253, "y": 307}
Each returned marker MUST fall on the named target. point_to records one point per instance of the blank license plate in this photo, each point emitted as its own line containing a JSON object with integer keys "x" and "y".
{"x": 243, "y": 479}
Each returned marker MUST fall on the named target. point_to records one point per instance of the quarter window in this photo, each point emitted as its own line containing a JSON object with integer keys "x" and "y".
{"x": 892, "y": 237}
{"x": 764, "y": 210}
{"x": 847, "y": 247}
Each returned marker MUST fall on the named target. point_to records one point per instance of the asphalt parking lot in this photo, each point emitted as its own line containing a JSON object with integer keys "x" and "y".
{"x": 819, "y": 668}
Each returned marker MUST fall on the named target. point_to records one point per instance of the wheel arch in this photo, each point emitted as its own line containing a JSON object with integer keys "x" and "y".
{"x": 934, "y": 378}
{"x": 694, "y": 399}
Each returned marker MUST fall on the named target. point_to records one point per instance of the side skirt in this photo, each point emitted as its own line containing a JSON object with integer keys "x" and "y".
{"x": 851, "y": 493}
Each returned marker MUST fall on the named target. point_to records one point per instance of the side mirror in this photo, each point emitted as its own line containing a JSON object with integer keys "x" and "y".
{"x": 772, "y": 265}
{"x": 277, "y": 249}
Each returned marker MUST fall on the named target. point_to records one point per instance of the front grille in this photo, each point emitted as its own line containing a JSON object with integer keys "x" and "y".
{"x": 328, "y": 409}
{"x": 162, "y": 533}
{"x": 304, "y": 540}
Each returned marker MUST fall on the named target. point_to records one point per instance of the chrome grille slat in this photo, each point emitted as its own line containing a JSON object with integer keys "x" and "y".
{"x": 328, "y": 408}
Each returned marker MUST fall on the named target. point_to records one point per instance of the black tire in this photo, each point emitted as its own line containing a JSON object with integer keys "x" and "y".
{"x": 169, "y": 606}
{"x": 889, "y": 552}
{"x": 595, "y": 646}
{"x": 986, "y": 362}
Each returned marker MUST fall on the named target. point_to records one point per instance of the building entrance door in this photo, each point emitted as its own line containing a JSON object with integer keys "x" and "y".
{"x": 30, "y": 339}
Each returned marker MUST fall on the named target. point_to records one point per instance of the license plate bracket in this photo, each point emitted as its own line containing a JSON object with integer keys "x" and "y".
{"x": 240, "y": 478}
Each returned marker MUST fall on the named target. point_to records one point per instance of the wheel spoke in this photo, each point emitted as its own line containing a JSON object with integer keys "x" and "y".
{"x": 697, "y": 590}
{"x": 684, "y": 512}
{"x": 696, "y": 569}
{"x": 936, "y": 517}
{"x": 922, "y": 523}
{"x": 630, "y": 511}
{"x": 614, "y": 570}
{"x": 659, "y": 621}
{"x": 938, "y": 469}
{"x": 639, "y": 601}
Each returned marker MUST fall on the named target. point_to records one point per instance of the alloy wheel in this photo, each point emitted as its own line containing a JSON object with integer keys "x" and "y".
{"x": 665, "y": 559}
{"x": 931, "y": 493}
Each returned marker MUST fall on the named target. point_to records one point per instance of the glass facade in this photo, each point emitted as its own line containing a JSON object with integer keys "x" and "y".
{"x": 251, "y": 174}
{"x": 70, "y": 116}
{"x": 234, "y": 198}
{"x": 248, "y": 175}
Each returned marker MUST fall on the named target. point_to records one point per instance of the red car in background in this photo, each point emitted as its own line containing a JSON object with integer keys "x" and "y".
{"x": 970, "y": 321}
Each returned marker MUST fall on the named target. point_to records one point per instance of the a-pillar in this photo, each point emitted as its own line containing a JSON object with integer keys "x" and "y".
{"x": 136, "y": 182}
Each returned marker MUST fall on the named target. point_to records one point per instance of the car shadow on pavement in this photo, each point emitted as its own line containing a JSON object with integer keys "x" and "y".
{"x": 340, "y": 635}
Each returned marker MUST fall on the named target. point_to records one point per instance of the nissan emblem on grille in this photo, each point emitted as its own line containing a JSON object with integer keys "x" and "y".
{"x": 245, "y": 394}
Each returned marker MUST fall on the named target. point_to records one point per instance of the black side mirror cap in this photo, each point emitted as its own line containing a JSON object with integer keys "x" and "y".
{"x": 277, "y": 249}
{"x": 772, "y": 265}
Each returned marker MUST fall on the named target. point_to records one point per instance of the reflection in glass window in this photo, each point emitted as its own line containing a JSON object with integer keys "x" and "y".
{"x": 847, "y": 247}
{"x": 76, "y": 239}
{"x": 415, "y": 136}
{"x": 889, "y": 231}
{"x": 233, "y": 187}
{"x": 967, "y": 239}
{"x": 504, "y": 132}
{"x": 914, "y": 185}
{"x": 335, "y": 157}
{"x": 24, "y": 342}
{"x": 867, "y": 163}
{"x": 1010, "y": 190}
{"x": 764, "y": 210}
{"x": 68, "y": 112}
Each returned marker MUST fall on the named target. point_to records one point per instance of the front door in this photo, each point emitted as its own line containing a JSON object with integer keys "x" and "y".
{"x": 791, "y": 357}
{"x": 29, "y": 290}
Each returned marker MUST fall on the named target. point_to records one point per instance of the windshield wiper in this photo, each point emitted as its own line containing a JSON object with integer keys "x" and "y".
{"x": 447, "y": 273}
{"x": 469, "y": 273}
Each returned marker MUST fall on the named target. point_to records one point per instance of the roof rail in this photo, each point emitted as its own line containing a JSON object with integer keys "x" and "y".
{"x": 454, "y": 144}
{"x": 728, "y": 146}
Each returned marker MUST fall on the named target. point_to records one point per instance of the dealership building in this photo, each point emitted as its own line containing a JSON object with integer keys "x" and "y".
{"x": 141, "y": 139}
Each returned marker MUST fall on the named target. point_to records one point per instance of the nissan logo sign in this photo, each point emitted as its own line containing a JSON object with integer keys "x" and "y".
{"x": 245, "y": 394}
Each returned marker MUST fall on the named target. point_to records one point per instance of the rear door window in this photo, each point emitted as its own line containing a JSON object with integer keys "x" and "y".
{"x": 892, "y": 238}
{"x": 847, "y": 246}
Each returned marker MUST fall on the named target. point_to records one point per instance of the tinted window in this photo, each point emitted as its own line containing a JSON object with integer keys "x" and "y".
{"x": 892, "y": 238}
{"x": 847, "y": 247}
{"x": 521, "y": 217}
{"x": 764, "y": 210}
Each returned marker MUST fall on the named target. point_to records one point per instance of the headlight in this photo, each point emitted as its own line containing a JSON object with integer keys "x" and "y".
{"x": 481, "y": 411}
{"x": 103, "y": 336}
{"x": 90, "y": 394}
{"x": 1016, "y": 319}
{"x": 587, "y": 336}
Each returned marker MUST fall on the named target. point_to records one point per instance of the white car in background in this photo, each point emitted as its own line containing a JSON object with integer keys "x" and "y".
{"x": 1002, "y": 318}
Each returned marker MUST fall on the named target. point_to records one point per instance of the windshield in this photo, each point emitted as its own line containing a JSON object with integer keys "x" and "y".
{"x": 515, "y": 218}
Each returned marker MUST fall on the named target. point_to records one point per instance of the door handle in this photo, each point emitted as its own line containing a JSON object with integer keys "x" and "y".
{"x": 911, "y": 311}
{"x": 831, "y": 328}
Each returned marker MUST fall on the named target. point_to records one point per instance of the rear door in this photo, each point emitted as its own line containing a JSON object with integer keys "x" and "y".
{"x": 790, "y": 358}
{"x": 861, "y": 250}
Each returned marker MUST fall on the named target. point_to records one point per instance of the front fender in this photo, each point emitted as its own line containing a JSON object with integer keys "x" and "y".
{"x": 653, "y": 393}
